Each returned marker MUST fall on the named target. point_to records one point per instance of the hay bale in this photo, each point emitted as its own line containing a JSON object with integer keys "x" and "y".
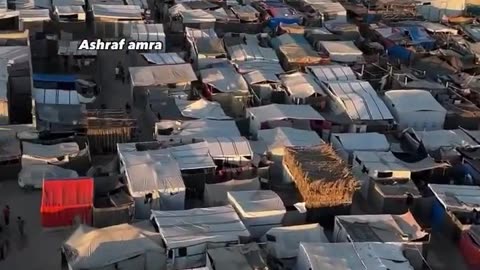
{"x": 322, "y": 178}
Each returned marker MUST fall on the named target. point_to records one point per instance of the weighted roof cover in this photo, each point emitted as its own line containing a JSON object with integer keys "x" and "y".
{"x": 224, "y": 79}
{"x": 274, "y": 112}
{"x": 129, "y": 12}
{"x": 242, "y": 257}
{"x": 151, "y": 170}
{"x": 201, "y": 109}
{"x": 359, "y": 100}
{"x": 162, "y": 75}
{"x": 286, "y": 240}
{"x": 352, "y": 256}
{"x": 91, "y": 248}
{"x": 289, "y": 137}
{"x": 199, "y": 225}
{"x": 301, "y": 85}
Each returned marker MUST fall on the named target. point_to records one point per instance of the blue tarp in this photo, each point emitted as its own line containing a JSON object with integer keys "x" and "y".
{"x": 399, "y": 52}
{"x": 275, "y": 22}
{"x": 419, "y": 36}
{"x": 62, "y": 78}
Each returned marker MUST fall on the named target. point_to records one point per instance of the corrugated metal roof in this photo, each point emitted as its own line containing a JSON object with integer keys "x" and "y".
{"x": 117, "y": 11}
{"x": 55, "y": 96}
{"x": 360, "y": 100}
{"x": 274, "y": 112}
{"x": 332, "y": 73}
{"x": 68, "y": 3}
{"x": 66, "y": 47}
{"x": 244, "y": 52}
{"x": 163, "y": 58}
{"x": 31, "y": 15}
{"x": 141, "y": 3}
{"x": 301, "y": 85}
{"x": 68, "y": 10}
{"x": 147, "y": 32}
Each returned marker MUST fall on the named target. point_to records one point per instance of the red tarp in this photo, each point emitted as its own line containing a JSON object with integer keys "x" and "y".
{"x": 470, "y": 250}
{"x": 64, "y": 199}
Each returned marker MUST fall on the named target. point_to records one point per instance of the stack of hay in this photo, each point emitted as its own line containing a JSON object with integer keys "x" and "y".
{"x": 321, "y": 177}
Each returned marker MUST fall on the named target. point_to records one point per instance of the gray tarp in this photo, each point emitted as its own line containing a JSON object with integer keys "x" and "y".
{"x": 224, "y": 79}
{"x": 124, "y": 245}
{"x": 162, "y": 75}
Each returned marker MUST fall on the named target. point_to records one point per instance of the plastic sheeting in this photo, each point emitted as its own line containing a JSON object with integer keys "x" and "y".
{"x": 289, "y": 137}
{"x": 351, "y": 256}
{"x": 284, "y": 111}
{"x": 34, "y": 175}
{"x": 260, "y": 210}
{"x": 45, "y": 153}
{"x": 216, "y": 194}
{"x": 283, "y": 242}
{"x": 63, "y": 201}
{"x": 301, "y": 85}
{"x": 342, "y": 51}
{"x": 161, "y": 75}
{"x": 121, "y": 245}
{"x": 457, "y": 198}
{"x": 359, "y": 100}
{"x": 118, "y": 12}
{"x": 9, "y": 145}
{"x": 224, "y": 79}
{"x": 332, "y": 73}
{"x": 199, "y": 226}
{"x": 247, "y": 256}
{"x": 202, "y": 128}
{"x": 201, "y": 109}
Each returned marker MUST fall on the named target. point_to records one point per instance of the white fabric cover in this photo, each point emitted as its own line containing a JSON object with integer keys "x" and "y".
{"x": 351, "y": 256}
{"x": 260, "y": 210}
{"x": 201, "y": 109}
{"x": 156, "y": 172}
{"x": 199, "y": 226}
{"x": 436, "y": 139}
{"x": 283, "y": 242}
{"x": 301, "y": 85}
{"x": 287, "y": 137}
{"x": 342, "y": 51}
{"x": 216, "y": 194}
{"x": 56, "y": 154}
{"x": 33, "y": 175}
{"x": 119, "y": 244}
{"x": 370, "y": 141}
{"x": 274, "y": 112}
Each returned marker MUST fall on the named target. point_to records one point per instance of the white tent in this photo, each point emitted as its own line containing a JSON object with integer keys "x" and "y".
{"x": 154, "y": 172}
{"x": 351, "y": 256}
{"x": 116, "y": 247}
{"x": 330, "y": 73}
{"x": 201, "y": 109}
{"x": 346, "y": 143}
{"x": 201, "y": 128}
{"x": 216, "y": 194}
{"x": 33, "y": 175}
{"x": 385, "y": 228}
{"x": 300, "y": 86}
{"x": 342, "y": 51}
{"x": 416, "y": 109}
{"x": 436, "y": 139}
{"x": 260, "y": 210}
{"x": 244, "y": 257}
{"x": 278, "y": 114}
{"x": 358, "y": 100}
{"x": 456, "y": 197}
{"x": 187, "y": 233}
{"x": 55, "y": 154}
{"x": 283, "y": 242}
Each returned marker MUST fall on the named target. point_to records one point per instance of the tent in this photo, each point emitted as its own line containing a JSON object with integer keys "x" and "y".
{"x": 117, "y": 247}
{"x": 216, "y": 194}
{"x": 34, "y": 175}
{"x": 351, "y": 256}
{"x": 65, "y": 200}
{"x": 283, "y": 242}
{"x": 243, "y": 257}
{"x": 383, "y": 228}
{"x": 346, "y": 143}
{"x": 188, "y": 233}
{"x": 155, "y": 172}
{"x": 260, "y": 210}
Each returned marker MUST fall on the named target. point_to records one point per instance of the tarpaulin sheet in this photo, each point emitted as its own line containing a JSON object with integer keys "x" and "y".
{"x": 65, "y": 199}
